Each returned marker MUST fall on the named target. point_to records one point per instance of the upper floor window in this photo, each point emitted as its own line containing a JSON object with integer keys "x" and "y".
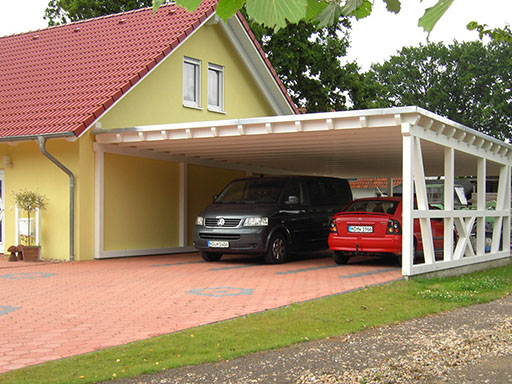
{"x": 191, "y": 82}
{"x": 215, "y": 88}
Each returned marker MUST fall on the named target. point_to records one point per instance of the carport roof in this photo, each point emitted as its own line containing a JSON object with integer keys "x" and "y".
{"x": 346, "y": 144}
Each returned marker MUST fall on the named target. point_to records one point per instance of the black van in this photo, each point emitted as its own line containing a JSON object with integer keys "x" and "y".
{"x": 270, "y": 215}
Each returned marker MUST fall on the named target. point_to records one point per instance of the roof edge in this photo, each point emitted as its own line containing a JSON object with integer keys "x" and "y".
{"x": 60, "y": 135}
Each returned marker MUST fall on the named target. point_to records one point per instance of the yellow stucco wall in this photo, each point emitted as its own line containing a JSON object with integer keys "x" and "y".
{"x": 203, "y": 184}
{"x": 33, "y": 171}
{"x": 141, "y": 202}
{"x": 158, "y": 98}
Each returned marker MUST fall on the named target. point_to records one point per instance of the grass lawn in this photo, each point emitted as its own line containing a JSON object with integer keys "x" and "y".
{"x": 331, "y": 316}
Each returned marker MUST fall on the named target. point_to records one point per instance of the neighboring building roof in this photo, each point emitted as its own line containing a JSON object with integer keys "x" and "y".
{"x": 373, "y": 183}
{"x": 59, "y": 80}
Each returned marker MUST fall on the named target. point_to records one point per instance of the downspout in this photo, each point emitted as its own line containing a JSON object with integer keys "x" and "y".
{"x": 42, "y": 147}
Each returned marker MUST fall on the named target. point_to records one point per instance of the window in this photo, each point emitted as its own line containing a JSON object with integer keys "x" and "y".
{"x": 191, "y": 82}
{"x": 215, "y": 88}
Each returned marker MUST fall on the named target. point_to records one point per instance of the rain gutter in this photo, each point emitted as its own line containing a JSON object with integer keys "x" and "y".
{"x": 36, "y": 137}
{"x": 42, "y": 147}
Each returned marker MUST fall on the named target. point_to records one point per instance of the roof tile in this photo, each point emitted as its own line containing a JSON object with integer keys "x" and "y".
{"x": 60, "y": 79}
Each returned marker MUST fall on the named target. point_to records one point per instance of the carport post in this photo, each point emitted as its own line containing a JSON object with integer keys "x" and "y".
{"x": 407, "y": 199}
{"x": 449, "y": 184}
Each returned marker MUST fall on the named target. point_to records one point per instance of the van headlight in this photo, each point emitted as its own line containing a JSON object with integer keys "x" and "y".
{"x": 256, "y": 222}
{"x": 199, "y": 220}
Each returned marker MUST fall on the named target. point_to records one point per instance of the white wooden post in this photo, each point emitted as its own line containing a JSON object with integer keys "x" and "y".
{"x": 422, "y": 199}
{"x": 503, "y": 189}
{"x": 480, "y": 205}
{"x": 449, "y": 184}
{"x": 407, "y": 199}
{"x": 183, "y": 235}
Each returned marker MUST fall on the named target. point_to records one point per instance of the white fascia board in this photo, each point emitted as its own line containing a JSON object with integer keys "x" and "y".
{"x": 423, "y": 123}
{"x": 255, "y": 64}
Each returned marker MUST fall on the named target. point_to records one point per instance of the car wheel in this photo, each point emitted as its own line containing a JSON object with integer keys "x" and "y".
{"x": 277, "y": 249}
{"x": 211, "y": 256}
{"x": 340, "y": 257}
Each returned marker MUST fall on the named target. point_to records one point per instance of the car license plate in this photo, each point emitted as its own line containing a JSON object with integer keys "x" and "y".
{"x": 218, "y": 244}
{"x": 360, "y": 229}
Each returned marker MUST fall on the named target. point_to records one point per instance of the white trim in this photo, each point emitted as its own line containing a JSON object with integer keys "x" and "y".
{"x": 219, "y": 70}
{"x": 256, "y": 66}
{"x": 99, "y": 200}
{"x": 196, "y": 63}
{"x": 183, "y": 215}
{"x": 144, "y": 252}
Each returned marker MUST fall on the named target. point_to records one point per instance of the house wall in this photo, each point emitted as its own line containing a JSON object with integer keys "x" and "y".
{"x": 31, "y": 170}
{"x": 203, "y": 184}
{"x": 141, "y": 209}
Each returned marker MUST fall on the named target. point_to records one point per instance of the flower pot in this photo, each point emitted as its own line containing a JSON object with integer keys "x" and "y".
{"x": 31, "y": 253}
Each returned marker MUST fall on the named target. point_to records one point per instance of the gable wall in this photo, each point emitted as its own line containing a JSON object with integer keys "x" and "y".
{"x": 158, "y": 99}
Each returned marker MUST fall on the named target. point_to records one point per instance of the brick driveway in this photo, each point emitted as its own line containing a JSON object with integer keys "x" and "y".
{"x": 53, "y": 310}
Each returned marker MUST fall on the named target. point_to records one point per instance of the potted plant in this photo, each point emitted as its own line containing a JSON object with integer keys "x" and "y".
{"x": 29, "y": 201}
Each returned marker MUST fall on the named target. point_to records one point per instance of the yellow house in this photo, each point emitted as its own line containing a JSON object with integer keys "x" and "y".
{"x": 60, "y": 85}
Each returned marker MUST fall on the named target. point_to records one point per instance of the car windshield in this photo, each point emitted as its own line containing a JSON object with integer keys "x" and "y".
{"x": 378, "y": 206}
{"x": 252, "y": 191}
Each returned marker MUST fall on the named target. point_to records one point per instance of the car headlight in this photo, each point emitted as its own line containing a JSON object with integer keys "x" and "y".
{"x": 199, "y": 220}
{"x": 256, "y": 221}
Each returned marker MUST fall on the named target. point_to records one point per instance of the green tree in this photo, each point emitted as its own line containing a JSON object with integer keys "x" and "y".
{"x": 470, "y": 83}
{"x": 307, "y": 61}
{"x": 497, "y": 34}
{"x": 65, "y": 11}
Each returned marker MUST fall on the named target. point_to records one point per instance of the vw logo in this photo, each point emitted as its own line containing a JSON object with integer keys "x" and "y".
{"x": 221, "y": 222}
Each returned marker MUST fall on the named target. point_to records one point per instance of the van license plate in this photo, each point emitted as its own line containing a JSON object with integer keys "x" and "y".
{"x": 360, "y": 229}
{"x": 218, "y": 244}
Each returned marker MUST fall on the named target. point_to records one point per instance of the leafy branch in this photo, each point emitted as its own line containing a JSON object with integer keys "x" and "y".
{"x": 277, "y": 13}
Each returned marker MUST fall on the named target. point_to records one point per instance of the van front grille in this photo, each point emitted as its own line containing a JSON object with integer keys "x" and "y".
{"x": 221, "y": 222}
{"x": 219, "y": 236}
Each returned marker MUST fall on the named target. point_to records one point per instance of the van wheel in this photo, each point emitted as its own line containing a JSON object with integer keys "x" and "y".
{"x": 277, "y": 249}
{"x": 211, "y": 256}
{"x": 340, "y": 257}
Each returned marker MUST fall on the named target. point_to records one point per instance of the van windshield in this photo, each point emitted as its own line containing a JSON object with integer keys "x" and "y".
{"x": 253, "y": 191}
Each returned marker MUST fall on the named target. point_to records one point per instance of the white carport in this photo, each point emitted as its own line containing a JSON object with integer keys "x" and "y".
{"x": 409, "y": 142}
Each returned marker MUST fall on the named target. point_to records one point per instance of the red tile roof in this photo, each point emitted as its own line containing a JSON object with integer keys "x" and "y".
{"x": 61, "y": 79}
{"x": 373, "y": 182}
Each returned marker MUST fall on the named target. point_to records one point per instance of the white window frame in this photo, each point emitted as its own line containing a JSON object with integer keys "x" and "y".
{"x": 220, "y": 71}
{"x": 197, "y": 86}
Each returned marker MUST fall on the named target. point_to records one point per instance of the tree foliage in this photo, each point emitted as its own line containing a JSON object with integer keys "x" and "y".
{"x": 276, "y": 14}
{"x": 470, "y": 83}
{"x": 497, "y": 34}
{"x": 65, "y": 11}
{"x": 307, "y": 61}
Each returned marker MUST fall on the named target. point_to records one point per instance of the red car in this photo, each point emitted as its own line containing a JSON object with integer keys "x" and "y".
{"x": 373, "y": 226}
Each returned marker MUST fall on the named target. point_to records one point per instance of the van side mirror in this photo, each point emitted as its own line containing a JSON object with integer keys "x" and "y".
{"x": 215, "y": 198}
{"x": 292, "y": 200}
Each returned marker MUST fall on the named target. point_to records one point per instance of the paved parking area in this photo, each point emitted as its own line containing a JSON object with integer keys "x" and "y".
{"x": 53, "y": 310}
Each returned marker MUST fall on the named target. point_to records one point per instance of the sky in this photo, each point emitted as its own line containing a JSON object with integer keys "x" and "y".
{"x": 373, "y": 39}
